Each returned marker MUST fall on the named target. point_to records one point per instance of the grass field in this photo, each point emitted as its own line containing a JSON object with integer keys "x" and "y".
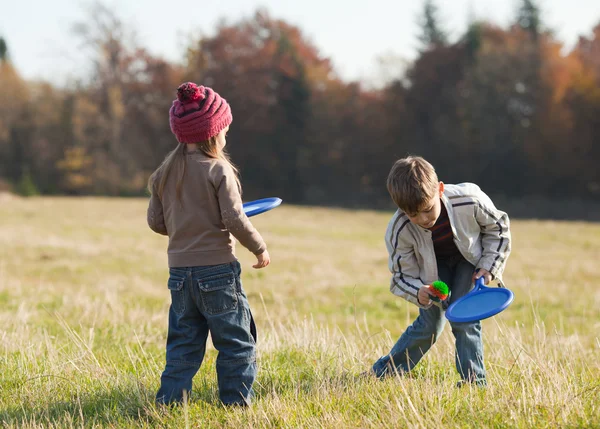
{"x": 83, "y": 317}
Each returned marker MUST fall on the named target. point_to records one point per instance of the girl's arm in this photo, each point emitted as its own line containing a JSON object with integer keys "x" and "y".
{"x": 232, "y": 211}
{"x": 155, "y": 216}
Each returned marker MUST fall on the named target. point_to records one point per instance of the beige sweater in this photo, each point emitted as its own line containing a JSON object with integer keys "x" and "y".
{"x": 202, "y": 227}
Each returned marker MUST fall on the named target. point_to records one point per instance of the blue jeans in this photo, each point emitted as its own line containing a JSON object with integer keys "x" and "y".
{"x": 209, "y": 299}
{"x": 426, "y": 329}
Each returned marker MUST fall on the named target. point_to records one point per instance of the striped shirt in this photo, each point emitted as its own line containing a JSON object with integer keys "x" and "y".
{"x": 443, "y": 239}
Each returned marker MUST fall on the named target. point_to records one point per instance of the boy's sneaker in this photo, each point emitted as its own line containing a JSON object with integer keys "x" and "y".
{"x": 482, "y": 383}
{"x": 365, "y": 375}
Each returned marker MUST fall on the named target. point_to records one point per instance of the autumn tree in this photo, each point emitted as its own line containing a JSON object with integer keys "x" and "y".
{"x": 583, "y": 101}
{"x": 15, "y": 117}
{"x": 125, "y": 125}
{"x": 263, "y": 67}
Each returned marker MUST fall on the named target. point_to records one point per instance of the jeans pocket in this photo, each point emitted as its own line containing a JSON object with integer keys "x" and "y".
{"x": 175, "y": 285}
{"x": 219, "y": 293}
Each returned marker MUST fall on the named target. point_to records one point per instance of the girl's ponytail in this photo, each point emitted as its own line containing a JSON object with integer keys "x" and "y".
{"x": 174, "y": 161}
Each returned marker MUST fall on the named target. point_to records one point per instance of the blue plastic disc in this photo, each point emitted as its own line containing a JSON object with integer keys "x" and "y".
{"x": 253, "y": 208}
{"x": 479, "y": 304}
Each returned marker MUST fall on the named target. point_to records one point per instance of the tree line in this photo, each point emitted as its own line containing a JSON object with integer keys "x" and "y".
{"x": 506, "y": 108}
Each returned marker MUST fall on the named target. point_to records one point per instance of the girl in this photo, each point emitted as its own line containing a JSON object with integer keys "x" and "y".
{"x": 196, "y": 201}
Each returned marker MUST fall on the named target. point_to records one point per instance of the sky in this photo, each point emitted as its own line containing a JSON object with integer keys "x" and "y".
{"x": 353, "y": 34}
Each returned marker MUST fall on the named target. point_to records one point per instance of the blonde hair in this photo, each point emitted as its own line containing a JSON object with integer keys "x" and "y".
{"x": 412, "y": 183}
{"x": 175, "y": 162}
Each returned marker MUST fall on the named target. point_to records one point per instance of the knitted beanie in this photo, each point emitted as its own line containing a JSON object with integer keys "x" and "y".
{"x": 198, "y": 113}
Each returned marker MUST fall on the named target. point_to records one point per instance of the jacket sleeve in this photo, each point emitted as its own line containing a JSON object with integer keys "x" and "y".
{"x": 155, "y": 215}
{"x": 495, "y": 236}
{"x": 232, "y": 212}
{"x": 402, "y": 261}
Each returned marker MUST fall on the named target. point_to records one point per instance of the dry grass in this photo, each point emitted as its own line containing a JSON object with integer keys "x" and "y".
{"x": 83, "y": 307}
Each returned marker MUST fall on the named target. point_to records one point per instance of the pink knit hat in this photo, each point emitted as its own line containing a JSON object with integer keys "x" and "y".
{"x": 198, "y": 113}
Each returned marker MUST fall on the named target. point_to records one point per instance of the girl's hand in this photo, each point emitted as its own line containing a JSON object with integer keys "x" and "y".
{"x": 485, "y": 273}
{"x": 262, "y": 260}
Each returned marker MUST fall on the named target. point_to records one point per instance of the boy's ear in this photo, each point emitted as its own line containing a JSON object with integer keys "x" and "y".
{"x": 441, "y": 189}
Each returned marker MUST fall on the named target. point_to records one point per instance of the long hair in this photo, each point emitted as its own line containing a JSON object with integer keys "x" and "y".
{"x": 210, "y": 148}
{"x": 175, "y": 162}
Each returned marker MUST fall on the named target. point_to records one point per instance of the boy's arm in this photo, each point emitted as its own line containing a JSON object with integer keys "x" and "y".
{"x": 495, "y": 236}
{"x": 402, "y": 262}
{"x": 155, "y": 216}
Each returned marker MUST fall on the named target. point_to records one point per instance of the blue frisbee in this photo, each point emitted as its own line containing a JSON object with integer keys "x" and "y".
{"x": 253, "y": 208}
{"x": 482, "y": 302}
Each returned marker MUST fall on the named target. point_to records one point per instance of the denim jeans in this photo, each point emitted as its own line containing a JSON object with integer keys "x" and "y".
{"x": 426, "y": 329}
{"x": 209, "y": 299}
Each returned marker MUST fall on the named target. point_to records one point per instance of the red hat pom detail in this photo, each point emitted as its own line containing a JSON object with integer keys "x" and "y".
{"x": 190, "y": 92}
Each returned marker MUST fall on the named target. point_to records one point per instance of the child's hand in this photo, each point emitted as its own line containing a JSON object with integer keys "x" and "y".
{"x": 481, "y": 272}
{"x": 424, "y": 295}
{"x": 262, "y": 260}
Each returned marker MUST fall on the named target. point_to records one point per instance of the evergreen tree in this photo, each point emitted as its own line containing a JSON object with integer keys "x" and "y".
{"x": 3, "y": 50}
{"x": 528, "y": 17}
{"x": 432, "y": 33}
{"x": 473, "y": 39}
{"x": 292, "y": 113}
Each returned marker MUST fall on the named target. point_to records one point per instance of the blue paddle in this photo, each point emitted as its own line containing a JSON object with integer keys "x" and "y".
{"x": 482, "y": 302}
{"x": 253, "y": 208}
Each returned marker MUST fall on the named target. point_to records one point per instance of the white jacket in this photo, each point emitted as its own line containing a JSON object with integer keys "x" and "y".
{"x": 481, "y": 233}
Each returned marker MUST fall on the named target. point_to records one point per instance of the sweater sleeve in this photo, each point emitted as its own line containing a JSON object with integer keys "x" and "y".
{"x": 403, "y": 264}
{"x": 232, "y": 212}
{"x": 155, "y": 216}
{"x": 495, "y": 236}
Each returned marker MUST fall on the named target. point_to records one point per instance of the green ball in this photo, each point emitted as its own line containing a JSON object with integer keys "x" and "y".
{"x": 440, "y": 286}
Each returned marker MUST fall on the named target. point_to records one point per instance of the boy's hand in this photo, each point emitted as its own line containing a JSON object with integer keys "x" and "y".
{"x": 481, "y": 272}
{"x": 424, "y": 295}
{"x": 262, "y": 260}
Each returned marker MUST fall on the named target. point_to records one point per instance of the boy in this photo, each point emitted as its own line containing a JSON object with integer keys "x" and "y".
{"x": 453, "y": 233}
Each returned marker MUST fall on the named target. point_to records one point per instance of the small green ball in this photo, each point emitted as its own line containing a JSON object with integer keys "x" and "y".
{"x": 440, "y": 286}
